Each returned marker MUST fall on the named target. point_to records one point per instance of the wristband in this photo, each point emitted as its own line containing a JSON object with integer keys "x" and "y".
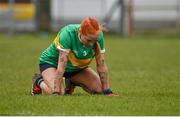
{"x": 107, "y": 91}
{"x": 56, "y": 93}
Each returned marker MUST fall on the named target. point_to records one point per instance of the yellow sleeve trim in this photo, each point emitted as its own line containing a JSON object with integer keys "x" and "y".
{"x": 58, "y": 45}
{"x": 56, "y": 41}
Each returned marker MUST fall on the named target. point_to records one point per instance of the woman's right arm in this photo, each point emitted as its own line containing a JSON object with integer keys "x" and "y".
{"x": 62, "y": 61}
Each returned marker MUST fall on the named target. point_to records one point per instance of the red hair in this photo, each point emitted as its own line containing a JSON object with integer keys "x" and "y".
{"x": 90, "y": 26}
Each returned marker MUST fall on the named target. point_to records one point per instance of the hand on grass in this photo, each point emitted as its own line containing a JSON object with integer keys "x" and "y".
{"x": 109, "y": 92}
{"x": 112, "y": 94}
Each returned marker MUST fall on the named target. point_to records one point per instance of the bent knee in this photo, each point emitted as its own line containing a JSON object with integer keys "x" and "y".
{"x": 97, "y": 89}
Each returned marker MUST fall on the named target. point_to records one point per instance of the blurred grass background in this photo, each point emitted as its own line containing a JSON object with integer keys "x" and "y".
{"x": 144, "y": 70}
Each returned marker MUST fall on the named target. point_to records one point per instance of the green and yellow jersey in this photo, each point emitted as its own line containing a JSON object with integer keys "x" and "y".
{"x": 68, "y": 40}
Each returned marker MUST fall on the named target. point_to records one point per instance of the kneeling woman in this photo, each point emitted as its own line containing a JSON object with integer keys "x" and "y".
{"x": 69, "y": 55}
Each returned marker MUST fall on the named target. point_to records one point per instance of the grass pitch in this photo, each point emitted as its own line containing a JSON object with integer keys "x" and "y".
{"x": 144, "y": 70}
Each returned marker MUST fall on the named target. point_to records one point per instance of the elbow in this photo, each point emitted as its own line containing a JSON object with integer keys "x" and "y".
{"x": 102, "y": 68}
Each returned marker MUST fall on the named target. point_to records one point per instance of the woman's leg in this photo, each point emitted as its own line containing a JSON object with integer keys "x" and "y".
{"x": 48, "y": 84}
{"x": 89, "y": 80}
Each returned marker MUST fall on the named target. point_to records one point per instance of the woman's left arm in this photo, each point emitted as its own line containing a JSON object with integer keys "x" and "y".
{"x": 103, "y": 74}
{"x": 102, "y": 71}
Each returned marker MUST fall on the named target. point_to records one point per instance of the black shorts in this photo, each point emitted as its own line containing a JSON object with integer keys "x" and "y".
{"x": 44, "y": 66}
